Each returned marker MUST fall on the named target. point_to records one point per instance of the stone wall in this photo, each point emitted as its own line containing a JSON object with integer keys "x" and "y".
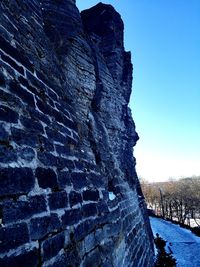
{"x": 69, "y": 193}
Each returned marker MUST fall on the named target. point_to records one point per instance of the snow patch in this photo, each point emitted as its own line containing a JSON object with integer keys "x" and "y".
{"x": 111, "y": 195}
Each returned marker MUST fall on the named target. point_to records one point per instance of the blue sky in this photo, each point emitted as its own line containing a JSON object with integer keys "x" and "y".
{"x": 164, "y": 39}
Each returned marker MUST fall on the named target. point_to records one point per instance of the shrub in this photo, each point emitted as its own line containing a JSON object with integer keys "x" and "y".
{"x": 196, "y": 230}
{"x": 163, "y": 259}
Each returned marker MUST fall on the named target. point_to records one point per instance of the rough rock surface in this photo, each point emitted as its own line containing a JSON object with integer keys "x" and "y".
{"x": 69, "y": 193}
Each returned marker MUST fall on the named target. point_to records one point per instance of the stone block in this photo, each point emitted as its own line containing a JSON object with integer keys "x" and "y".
{"x": 19, "y": 210}
{"x": 71, "y": 217}
{"x": 102, "y": 208}
{"x": 112, "y": 229}
{"x": 16, "y": 181}
{"x": 12, "y": 63}
{"x": 89, "y": 210}
{"x": 46, "y": 177}
{"x": 26, "y": 258}
{"x": 7, "y": 153}
{"x": 22, "y": 93}
{"x": 8, "y": 115}
{"x": 80, "y": 231}
{"x": 93, "y": 259}
{"x": 89, "y": 242}
{"x": 13, "y": 236}
{"x": 63, "y": 163}
{"x": 80, "y": 166}
{"x": 13, "y": 52}
{"x": 3, "y": 134}
{"x": 59, "y": 261}
{"x": 47, "y": 158}
{"x": 115, "y": 215}
{"x": 44, "y": 78}
{"x": 72, "y": 141}
{"x": 57, "y": 115}
{"x": 99, "y": 235}
{"x": 108, "y": 263}
{"x": 10, "y": 100}
{"x": 65, "y": 107}
{"x": 64, "y": 150}
{"x": 63, "y": 129}
{"x": 72, "y": 258}
{"x": 42, "y": 226}
{"x": 33, "y": 89}
{"x": 2, "y": 80}
{"x": 39, "y": 116}
{"x": 26, "y": 153}
{"x": 55, "y": 135}
{"x": 23, "y": 81}
{"x": 96, "y": 180}
{"x": 84, "y": 228}
{"x": 44, "y": 107}
{"x": 114, "y": 202}
{"x": 52, "y": 246}
{"x": 22, "y": 137}
{"x": 53, "y": 93}
{"x": 103, "y": 219}
{"x": 106, "y": 248}
{"x": 32, "y": 125}
{"x": 74, "y": 198}
{"x": 90, "y": 166}
{"x": 58, "y": 200}
{"x": 92, "y": 195}
{"x": 37, "y": 87}
{"x": 69, "y": 123}
{"x": 64, "y": 179}
{"x": 79, "y": 180}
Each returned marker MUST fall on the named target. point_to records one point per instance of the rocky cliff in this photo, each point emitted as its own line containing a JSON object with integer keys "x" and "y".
{"x": 69, "y": 193}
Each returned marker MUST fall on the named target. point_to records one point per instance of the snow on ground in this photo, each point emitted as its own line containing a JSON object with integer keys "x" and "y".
{"x": 183, "y": 243}
{"x": 194, "y": 223}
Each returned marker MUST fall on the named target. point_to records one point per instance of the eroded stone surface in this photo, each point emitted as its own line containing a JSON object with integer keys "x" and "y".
{"x": 66, "y": 139}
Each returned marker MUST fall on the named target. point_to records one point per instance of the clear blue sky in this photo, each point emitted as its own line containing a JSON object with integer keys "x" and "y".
{"x": 164, "y": 38}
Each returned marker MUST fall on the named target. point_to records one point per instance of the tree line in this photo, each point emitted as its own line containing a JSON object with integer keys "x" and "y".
{"x": 177, "y": 200}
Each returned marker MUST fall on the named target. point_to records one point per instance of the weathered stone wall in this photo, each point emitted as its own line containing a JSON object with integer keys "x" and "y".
{"x": 69, "y": 193}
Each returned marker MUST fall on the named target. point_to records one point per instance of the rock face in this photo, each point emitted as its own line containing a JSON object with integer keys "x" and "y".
{"x": 69, "y": 193}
